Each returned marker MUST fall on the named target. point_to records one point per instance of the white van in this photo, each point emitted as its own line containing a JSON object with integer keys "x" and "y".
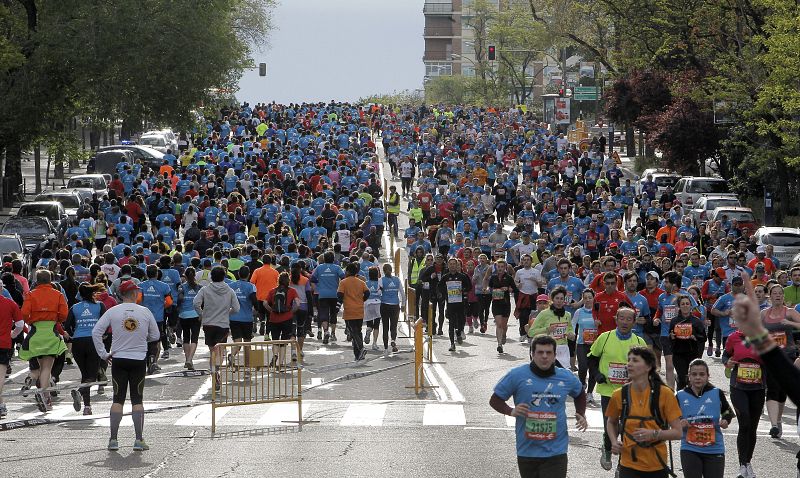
{"x": 691, "y": 188}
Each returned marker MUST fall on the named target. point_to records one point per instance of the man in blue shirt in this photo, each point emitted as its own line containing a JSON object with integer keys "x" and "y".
{"x": 540, "y": 391}
{"x": 326, "y": 277}
{"x": 154, "y": 297}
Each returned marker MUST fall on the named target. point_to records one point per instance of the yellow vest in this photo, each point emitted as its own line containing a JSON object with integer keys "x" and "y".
{"x": 393, "y": 208}
{"x": 416, "y": 268}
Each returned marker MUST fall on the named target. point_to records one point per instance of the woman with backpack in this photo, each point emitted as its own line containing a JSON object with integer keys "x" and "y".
{"x": 282, "y": 302}
{"x": 705, "y": 413}
{"x": 646, "y": 414}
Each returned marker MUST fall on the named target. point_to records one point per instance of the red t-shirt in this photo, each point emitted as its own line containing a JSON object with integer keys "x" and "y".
{"x": 9, "y": 315}
{"x": 291, "y": 296}
{"x": 606, "y": 306}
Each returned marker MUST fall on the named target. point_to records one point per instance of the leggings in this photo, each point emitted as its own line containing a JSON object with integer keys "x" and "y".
{"x": 437, "y": 304}
{"x": 748, "y": 404}
{"x": 88, "y": 361}
{"x": 524, "y": 314}
{"x": 582, "y": 352}
{"x": 390, "y": 313}
{"x": 406, "y": 185}
{"x": 191, "y": 329}
{"x": 484, "y": 301}
{"x": 455, "y": 320}
{"x": 125, "y": 374}
{"x": 702, "y": 465}
{"x": 714, "y": 329}
{"x": 681, "y": 363}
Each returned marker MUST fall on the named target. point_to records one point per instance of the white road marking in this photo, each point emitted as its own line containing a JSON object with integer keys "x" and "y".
{"x": 127, "y": 421}
{"x": 17, "y": 374}
{"x": 363, "y": 415}
{"x": 440, "y": 414}
{"x": 281, "y": 413}
{"x": 200, "y": 416}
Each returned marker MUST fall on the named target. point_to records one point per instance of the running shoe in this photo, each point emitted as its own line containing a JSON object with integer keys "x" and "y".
{"x": 326, "y": 339}
{"x": 68, "y": 358}
{"x": 26, "y": 386}
{"x": 775, "y": 431}
{"x": 333, "y": 337}
{"x": 750, "y": 472}
{"x": 362, "y": 355}
{"x": 140, "y": 445}
{"x": 394, "y": 347}
{"x": 366, "y": 336}
{"x": 499, "y": 349}
{"x": 523, "y": 338}
{"x": 375, "y": 346}
{"x": 87, "y": 410}
{"x": 452, "y": 347}
{"x": 76, "y": 399}
{"x": 319, "y": 334}
{"x": 40, "y": 401}
{"x": 717, "y": 353}
{"x": 460, "y": 339}
{"x": 590, "y": 398}
{"x": 165, "y": 354}
{"x": 113, "y": 445}
{"x": 742, "y": 472}
{"x": 476, "y": 323}
{"x": 178, "y": 342}
{"x": 710, "y": 350}
{"x": 605, "y": 459}
{"x": 3, "y": 410}
{"x": 483, "y": 328}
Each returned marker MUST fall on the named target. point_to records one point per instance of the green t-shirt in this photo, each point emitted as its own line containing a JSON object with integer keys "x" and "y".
{"x": 543, "y": 321}
{"x": 613, "y": 355}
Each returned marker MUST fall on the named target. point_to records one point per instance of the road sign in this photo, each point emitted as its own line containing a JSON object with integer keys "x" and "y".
{"x": 586, "y": 93}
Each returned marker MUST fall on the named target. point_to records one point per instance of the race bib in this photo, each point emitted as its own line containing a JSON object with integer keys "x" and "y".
{"x": 589, "y": 336}
{"x": 748, "y": 373}
{"x": 568, "y": 298}
{"x": 617, "y": 373}
{"x": 560, "y": 330}
{"x": 779, "y": 338}
{"x": 701, "y": 432}
{"x": 683, "y": 331}
{"x": 498, "y": 294}
{"x": 698, "y": 281}
{"x": 454, "y": 294}
{"x": 670, "y": 312}
{"x": 484, "y": 241}
{"x": 540, "y": 425}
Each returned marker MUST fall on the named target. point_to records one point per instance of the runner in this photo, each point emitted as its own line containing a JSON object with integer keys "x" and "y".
{"x": 608, "y": 356}
{"x": 326, "y": 278}
{"x": 80, "y": 322}
{"x": 455, "y": 285}
{"x": 706, "y": 413}
{"x": 352, "y": 293}
{"x": 133, "y": 328}
{"x": 500, "y": 286}
{"x": 688, "y": 335}
{"x": 282, "y": 303}
{"x": 303, "y": 315}
{"x": 11, "y": 325}
{"x": 215, "y": 303}
{"x": 540, "y": 391}
{"x": 556, "y": 322}
{"x": 584, "y": 320}
{"x": 241, "y": 321}
{"x": 189, "y": 318}
{"x": 393, "y": 301}
{"x": 372, "y": 307}
{"x": 645, "y": 413}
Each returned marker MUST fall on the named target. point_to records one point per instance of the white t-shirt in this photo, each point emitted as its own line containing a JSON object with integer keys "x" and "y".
{"x": 528, "y": 280}
{"x": 111, "y": 271}
{"x": 406, "y": 169}
{"x": 343, "y": 238}
{"x": 132, "y": 327}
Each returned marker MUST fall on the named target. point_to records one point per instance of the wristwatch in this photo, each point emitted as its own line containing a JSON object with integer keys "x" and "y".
{"x": 758, "y": 340}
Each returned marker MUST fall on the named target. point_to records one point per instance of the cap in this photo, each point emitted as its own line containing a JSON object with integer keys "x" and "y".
{"x": 737, "y": 279}
{"x": 613, "y": 244}
{"x": 542, "y": 298}
{"x": 720, "y": 273}
{"x": 128, "y": 286}
{"x": 654, "y": 275}
{"x": 525, "y": 234}
{"x": 761, "y": 249}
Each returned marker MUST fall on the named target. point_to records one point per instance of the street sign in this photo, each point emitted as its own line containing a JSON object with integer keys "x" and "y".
{"x": 586, "y": 93}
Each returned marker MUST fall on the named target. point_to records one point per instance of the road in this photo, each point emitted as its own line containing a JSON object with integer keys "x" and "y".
{"x": 371, "y": 426}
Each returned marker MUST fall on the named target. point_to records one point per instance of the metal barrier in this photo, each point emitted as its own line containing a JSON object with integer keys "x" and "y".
{"x": 419, "y": 361}
{"x": 250, "y": 373}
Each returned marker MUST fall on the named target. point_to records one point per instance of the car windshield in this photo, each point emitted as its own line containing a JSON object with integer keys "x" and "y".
{"x": 9, "y": 244}
{"x": 664, "y": 181}
{"x": 715, "y": 203}
{"x": 69, "y": 202}
{"x": 89, "y": 183}
{"x": 37, "y": 210}
{"x": 782, "y": 239}
{"x": 26, "y": 226}
{"x": 710, "y": 187}
{"x": 153, "y": 141}
{"x": 741, "y": 216}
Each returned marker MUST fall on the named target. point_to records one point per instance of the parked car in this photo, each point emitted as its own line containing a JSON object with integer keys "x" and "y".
{"x": 11, "y": 244}
{"x": 71, "y": 200}
{"x": 784, "y": 240}
{"x": 32, "y": 230}
{"x": 170, "y": 140}
{"x": 105, "y": 162}
{"x": 706, "y": 204}
{"x": 743, "y": 215}
{"x": 149, "y": 156}
{"x": 95, "y": 182}
{"x": 689, "y": 189}
{"x": 52, "y": 210}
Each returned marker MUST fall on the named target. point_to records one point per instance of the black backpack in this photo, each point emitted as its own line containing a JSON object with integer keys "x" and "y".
{"x": 655, "y": 415}
{"x": 279, "y": 300}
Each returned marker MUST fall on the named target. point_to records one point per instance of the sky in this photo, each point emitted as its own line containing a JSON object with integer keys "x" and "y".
{"x": 339, "y": 50}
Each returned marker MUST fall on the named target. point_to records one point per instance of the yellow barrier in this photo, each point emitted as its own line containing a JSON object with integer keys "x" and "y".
{"x": 396, "y": 261}
{"x": 385, "y": 190}
{"x": 419, "y": 372}
{"x": 252, "y": 373}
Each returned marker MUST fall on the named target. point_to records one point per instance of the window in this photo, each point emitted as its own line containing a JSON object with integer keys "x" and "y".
{"x": 709, "y": 186}
{"x": 782, "y": 239}
{"x": 438, "y": 68}
{"x": 467, "y": 70}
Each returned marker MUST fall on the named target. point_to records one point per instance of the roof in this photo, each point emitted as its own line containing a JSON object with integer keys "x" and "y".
{"x": 777, "y": 229}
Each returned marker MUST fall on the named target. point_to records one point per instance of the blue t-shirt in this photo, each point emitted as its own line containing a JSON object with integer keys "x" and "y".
{"x": 153, "y": 294}
{"x": 668, "y": 308}
{"x": 724, "y": 304}
{"x": 243, "y": 289}
{"x": 543, "y": 433}
{"x": 86, "y": 316}
{"x": 574, "y": 287}
{"x": 391, "y": 290}
{"x": 326, "y": 277}
{"x": 702, "y": 413}
{"x": 642, "y": 310}
{"x": 584, "y": 319}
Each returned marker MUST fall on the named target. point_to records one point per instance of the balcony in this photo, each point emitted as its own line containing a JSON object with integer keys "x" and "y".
{"x": 438, "y": 32}
{"x": 438, "y": 55}
{"x": 438, "y": 9}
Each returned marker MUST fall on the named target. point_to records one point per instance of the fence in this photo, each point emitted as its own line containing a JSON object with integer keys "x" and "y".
{"x": 252, "y": 373}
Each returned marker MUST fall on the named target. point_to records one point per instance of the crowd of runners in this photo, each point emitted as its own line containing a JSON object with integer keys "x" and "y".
{"x": 272, "y": 223}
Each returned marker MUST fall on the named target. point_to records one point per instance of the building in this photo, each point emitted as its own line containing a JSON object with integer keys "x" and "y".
{"x": 442, "y": 34}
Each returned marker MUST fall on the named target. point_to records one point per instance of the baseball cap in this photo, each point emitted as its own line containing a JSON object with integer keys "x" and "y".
{"x": 761, "y": 249}
{"x": 720, "y": 273}
{"x": 613, "y": 244}
{"x": 128, "y": 286}
{"x": 737, "y": 279}
{"x": 654, "y": 275}
{"x": 525, "y": 234}
{"x": 542, "y": 298}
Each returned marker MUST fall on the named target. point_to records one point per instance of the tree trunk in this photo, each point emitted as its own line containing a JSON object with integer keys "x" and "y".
{"x": 37, "y": 166}
{"x": 58, "y": 165}
{"x": 128, "y": 127}
{"x": 14, "y": 165}
{"x": 782, "y": 189}
{"x": 94, "y": 137}
{"x": 630, "y": 142}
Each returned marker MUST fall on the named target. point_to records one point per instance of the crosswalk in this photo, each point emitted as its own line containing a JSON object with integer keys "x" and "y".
{"x": 323, "y": 413}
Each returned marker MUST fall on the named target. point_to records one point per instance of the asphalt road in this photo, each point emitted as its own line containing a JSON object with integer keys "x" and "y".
{"x": 370, "y": 426}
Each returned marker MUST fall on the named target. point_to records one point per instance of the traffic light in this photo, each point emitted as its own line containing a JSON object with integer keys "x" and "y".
{"x": 262, "y": 69}
{"x": 492, "y": 53}
{"x": 564, "y": 92}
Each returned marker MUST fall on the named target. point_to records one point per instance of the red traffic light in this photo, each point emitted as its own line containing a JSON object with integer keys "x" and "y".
{"x": 492, "y": 53}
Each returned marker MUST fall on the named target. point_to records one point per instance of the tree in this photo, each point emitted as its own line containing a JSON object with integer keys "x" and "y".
{"x": 635, "y": 100}
{"x": 686, "y": 135}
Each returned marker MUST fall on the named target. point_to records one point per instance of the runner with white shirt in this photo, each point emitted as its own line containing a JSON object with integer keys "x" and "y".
{"x": 527, "y": 280}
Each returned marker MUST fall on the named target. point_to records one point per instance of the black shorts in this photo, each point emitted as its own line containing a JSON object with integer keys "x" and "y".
{"x": 5, "y": 357}
{"x": 653, "y": 340}
{"x": 666, "y": 346}
{"x": 190, "y": 328}
{"x": 215, "y": 335}
{"x": 281, "y": 330}
{"x": 302, "y": 322}
{"x": 328, "y": 310}
{"x": 241, "y": 330}
{"x": 501, "y": 308}
{"x": 373, "y": 324}
{"x": 128, "y": 374}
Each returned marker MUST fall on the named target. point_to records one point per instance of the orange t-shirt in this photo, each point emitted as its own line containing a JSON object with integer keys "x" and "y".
{"x": 265, "y": 278}
{"x": 353, "y": 289}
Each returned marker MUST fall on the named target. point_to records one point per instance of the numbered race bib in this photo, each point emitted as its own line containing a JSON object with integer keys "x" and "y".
{"x": 617, "y": 373}
{"x": 748, "y": 373}
{"x": 540, "y": 425}
{"x": 454, "y": 294}
{"x": 779, "y": 338}
{"x": 670, "y": 312}
{"x": 560, "y": 331}
{"x": 589, "y": 336}
{"x": 484, "y": 241}
{"x": 701, "y": 432}
{"x": 568, "y": 298}
{"x": 698, "y": 281}
{"x": 498, "y": 294}
{"x": 683, "y": 331}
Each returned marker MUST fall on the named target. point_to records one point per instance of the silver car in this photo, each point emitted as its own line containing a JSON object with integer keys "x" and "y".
{"x": 705, "y": 205}
{"x": 784, "y": 240}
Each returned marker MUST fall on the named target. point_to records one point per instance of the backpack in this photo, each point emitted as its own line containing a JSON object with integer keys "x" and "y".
{"x": 279, "y": 301}
{"x": 655, "y": 415}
